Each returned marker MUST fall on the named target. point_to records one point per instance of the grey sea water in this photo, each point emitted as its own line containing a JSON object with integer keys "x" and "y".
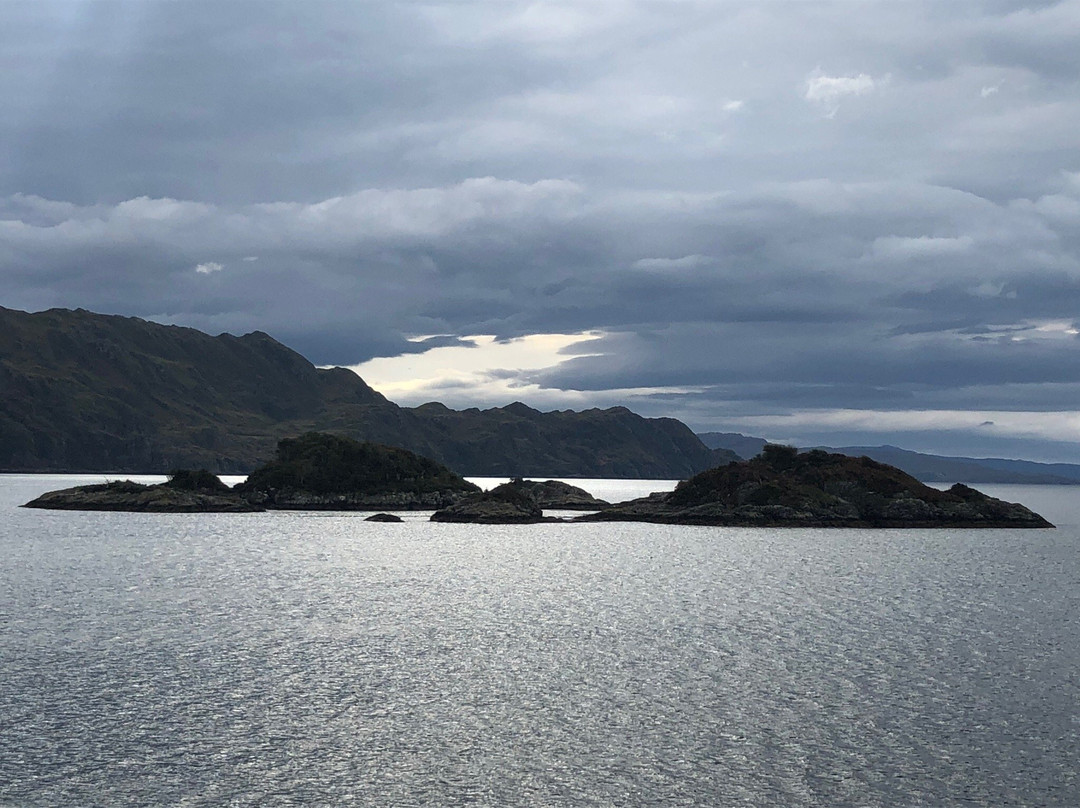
{"x": 317, "y": 659}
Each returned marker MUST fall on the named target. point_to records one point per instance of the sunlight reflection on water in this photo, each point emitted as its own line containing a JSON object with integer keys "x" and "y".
{"x": 296, "y": 658}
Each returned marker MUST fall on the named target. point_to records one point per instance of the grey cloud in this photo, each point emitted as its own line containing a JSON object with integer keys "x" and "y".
{"x": 820, "y": 355}
{"x": 653, "y": 171}
{"x": 234, "y": 101}
{"x": 489, "y": 256}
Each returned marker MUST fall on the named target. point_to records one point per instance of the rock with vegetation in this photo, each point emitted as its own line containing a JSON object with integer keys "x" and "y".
{"x": 506, "y": 504}
{"x": 312, "y": 472}
{"x": 200, "y": 480}
{"x": 560, "y": 496}
{"x": 317, "y": 471}
{"x": 184, "y": 492}
{"x": 927, "y": 468}
{"x": 520, "y": 501}
{"x": 785, "y": 488}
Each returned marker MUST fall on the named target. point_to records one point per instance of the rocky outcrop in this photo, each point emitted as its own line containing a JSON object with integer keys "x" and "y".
{"x": 520, "y": 502}
{"x": 124, "y": 495}
{"x": 783, "y": 488}
{"x": 559, "y": 496}
{"x": 506, "y": 504}
{"x": 317, "y": 471}
{"x": 314, "y": 472}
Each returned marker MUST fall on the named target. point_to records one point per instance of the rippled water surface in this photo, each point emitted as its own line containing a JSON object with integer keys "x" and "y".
{"x": 318, "y": 659}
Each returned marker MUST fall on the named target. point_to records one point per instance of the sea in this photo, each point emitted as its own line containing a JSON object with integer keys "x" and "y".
{"x": 316, "y": 659}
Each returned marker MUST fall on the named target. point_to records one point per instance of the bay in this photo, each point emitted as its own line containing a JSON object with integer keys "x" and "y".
{"x": 318, "y": 659}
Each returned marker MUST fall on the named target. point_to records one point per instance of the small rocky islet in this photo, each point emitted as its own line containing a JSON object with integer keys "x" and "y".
{"x": 315, "y": 471}
{"x": 125, "y": 495}
{"x": 782, "y": 487}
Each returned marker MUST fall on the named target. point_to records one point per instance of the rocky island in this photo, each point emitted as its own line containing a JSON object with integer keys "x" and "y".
{"x": 560, "y": 496}
{"x": 785, "y": 488}
{"x": 318, "y": 471}
{"x": 312, "y": 472}
{"x": 506, "y": 504}
{"x": 184, "y": 492}
{"x": 519, "y": 502}
{"x": 780, "y": 488}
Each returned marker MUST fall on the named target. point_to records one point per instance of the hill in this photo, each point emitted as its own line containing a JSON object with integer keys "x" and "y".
{"x": 936, "y": 468}
{"x": 745, "y": 446}
{"x": 88, "y": 392}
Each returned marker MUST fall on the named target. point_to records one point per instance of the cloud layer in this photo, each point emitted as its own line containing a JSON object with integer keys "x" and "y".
{"x": 756, "y": 215}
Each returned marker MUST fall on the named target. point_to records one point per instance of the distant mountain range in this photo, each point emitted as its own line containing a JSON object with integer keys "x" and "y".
{"x": 925, "y": 467}
{"x": 88, "y": 392}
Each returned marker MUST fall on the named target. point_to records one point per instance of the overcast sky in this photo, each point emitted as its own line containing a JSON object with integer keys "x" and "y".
{"x": 836, "y": 223}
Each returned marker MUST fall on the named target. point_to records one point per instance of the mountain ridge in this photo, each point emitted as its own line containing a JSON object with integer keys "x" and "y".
{"x": 81, "y": 391}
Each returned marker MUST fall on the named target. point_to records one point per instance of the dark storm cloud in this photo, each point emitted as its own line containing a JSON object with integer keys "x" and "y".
{"x": 761, "y": 207}
{"x": 251, "y": 101}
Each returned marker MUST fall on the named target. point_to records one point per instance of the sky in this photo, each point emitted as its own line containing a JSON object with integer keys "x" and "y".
{"x": 846, "y": 223}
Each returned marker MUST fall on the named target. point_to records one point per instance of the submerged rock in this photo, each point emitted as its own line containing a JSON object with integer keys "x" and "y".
{"x": 785, "y": 488}
{"x": 384, "y": 517}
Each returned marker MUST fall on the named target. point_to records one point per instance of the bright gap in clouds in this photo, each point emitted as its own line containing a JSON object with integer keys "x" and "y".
{"x": 1053, "y": 426}
{"x": 485, "y": 373}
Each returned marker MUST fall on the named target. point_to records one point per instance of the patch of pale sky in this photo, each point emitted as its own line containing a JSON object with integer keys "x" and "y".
{"x": 828, "y": 91}
{"x": 662, "y": 264}
{"x": 463, "y": 376}
{"x": 1065, "y": 328}
{"x": 533, "y": 24}
{"x": 905, "y": 248}
{"x": 1056, "y": 426}
{"x": 1044, "y": 331}
{"x": 989, "y": 289}
{"x": 416, "y": 378}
